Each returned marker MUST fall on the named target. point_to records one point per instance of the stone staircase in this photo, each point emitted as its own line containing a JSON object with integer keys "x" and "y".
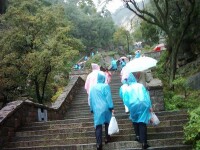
{"x": 76, "y": 131}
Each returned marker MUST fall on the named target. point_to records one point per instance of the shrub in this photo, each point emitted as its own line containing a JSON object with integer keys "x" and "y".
{"x": 58, "y": 93}
{"x": 192, "y": 129}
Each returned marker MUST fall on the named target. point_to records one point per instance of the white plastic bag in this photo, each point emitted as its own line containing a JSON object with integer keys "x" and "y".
{"x": 113, "y": 126}
{"x": 154, "y": 119}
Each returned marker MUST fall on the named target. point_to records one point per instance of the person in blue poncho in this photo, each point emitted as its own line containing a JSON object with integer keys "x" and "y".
{"x": 113, "y": 65}
{"x": 137, "y": 53}
{"x": 101, "y": 105}
{"x": 123, "y": 63}
{"x": 85, "y": 58}
{"x": 137, "y": 99}
{"x": 122, "y": 89}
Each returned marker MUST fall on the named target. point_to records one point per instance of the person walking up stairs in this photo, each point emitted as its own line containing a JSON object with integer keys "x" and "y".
{"x": 76, "y": 130}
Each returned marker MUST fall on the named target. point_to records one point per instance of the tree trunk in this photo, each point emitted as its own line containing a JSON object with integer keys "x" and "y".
{"x": 5, "y": 100}
{"x": 44, "y": 85}
{"x": 127, "y": 43}
{"x": 173, "y": 69}
{"x": 3, "y": 6}
{"x": 173, "y": 60}
{"x": 37, "y": 91}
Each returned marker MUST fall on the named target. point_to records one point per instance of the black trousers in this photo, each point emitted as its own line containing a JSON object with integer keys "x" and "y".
{"x": 141, "y": 131}
{"x": 98, "y": 133}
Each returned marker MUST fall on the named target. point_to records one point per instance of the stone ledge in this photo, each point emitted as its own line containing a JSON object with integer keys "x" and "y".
{"x": 20, "y": 112}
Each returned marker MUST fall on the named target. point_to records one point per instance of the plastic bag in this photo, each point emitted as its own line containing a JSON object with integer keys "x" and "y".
{"x": 154, "y": 119}
{"x": 113, "y": 126}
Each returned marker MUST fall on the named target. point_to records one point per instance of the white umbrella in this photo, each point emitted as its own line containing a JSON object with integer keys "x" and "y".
{"x": 139, "y": 64}
{"x": 123, "y": 57}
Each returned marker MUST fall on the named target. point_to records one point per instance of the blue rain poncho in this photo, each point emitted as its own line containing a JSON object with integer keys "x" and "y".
{"x": 123, "y": 64}
{"x": 114, "y": 64}
{"x": 123, "y": 88}
{"x": 137, "y": 54}
{"x": 137, "y": 99}
{"x": 101, "y": 103}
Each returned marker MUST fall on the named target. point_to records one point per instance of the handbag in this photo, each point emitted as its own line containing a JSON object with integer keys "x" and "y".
{"x": 113, "y": 126}
{"x": 154, "y": 119}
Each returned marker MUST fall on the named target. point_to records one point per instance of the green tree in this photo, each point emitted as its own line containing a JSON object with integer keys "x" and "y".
{"x": 150, "y": 33}
{"x": 122, "y": 37}
{"x": 92, "y": 28}
{"x": 175, "y": 18}
{"x": 36, "y": 45}
{"x": 137, "y": 34}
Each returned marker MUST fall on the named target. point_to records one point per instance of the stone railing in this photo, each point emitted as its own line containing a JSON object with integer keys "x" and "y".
{"x": 20, "y": 112}
{"x": 155, "y": 55}
{"x": 155, "y": 88}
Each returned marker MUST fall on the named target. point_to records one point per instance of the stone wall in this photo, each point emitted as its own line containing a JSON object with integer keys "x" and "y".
{"x": 20, "y": 112}
{"x": 194, "y": 81}
{"x": 190, "y": 68}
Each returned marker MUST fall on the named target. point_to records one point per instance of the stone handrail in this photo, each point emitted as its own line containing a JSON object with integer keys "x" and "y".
{"x": 17, "y": 113}
{"x": 154, "y": 54}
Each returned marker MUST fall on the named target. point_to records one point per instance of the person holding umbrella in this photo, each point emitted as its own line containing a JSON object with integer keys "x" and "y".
{"x": 101, "y": 105}
{"x": 137, "y": 99}
{"x": 143, "y": 77}
{"x": 140, "y": 66}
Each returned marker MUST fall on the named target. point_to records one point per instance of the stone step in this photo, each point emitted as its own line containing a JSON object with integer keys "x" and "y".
{"x": 119, "y": 110}
{"x": 175, "y": 147}
{"x": 84, "y": 101}
{"x": 158, "y": 132}
{"x": 119, "y": 116}
{"x": 114, "y": 86}
{"x": 123, "y": 124}
{"x": 117, "y": 106}
{"x": 106, "y": 147}
{"x": 86, "y": 113}
{"x": 57, "y": 129}
{"x": 163, "y": 126}
{"x": 62, "y": 144}
{"x": 90, "y": 119}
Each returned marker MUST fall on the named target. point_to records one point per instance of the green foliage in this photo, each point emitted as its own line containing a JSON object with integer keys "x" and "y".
{"x": 37, "y": 45}
{"x": 147, "y": 48}
{"x": 162, "y": 72}
{"x": 181, "y": 85}
{"x": 192, "y": 129}
{"x": 94, "y": 59}
{"x": 92, "y": 28}
{"x": 170, "y": 103}
{"x": 122, "y": 37}
{"x": 149, "y": 32}
{"x": 3, "y": 5}
{"x": 57, "y": 94}
{"x": 137, "y": 34}
{"x": 110, "y": 53}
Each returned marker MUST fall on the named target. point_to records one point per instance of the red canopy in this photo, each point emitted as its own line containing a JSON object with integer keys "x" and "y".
{"x": 159, "y": 47}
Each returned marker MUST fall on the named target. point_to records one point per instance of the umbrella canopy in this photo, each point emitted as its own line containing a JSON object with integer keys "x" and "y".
{"x": 139, "y": 64}
{"x": 123, "y": 57}
{"x": 159, "y": 47}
